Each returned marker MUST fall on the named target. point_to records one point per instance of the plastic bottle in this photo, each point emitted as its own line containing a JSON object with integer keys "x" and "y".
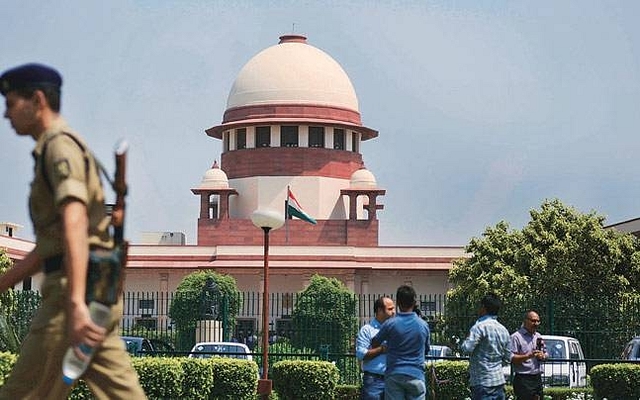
{"x": 72, "y": 366}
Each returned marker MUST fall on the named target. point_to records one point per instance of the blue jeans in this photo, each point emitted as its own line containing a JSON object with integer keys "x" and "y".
{"x": 372, "y": 388}
{"x": 404, "y": 387}
{"x": 487, "y": 393}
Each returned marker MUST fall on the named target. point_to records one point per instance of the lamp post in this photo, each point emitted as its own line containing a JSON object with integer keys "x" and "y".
{"x": 267, "y": 220}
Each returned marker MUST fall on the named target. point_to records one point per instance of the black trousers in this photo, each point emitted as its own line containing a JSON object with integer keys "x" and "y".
{"x": 526, "y": 387}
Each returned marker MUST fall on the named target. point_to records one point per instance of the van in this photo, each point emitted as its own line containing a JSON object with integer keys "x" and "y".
{"x": 570, "y": 371}
{"x": 439, "y": 353}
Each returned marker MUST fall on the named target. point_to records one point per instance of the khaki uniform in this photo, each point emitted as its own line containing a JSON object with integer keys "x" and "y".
{"x": 70, "y": 173}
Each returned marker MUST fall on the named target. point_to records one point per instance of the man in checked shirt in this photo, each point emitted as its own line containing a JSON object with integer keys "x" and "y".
{"x": 489, "y": 345}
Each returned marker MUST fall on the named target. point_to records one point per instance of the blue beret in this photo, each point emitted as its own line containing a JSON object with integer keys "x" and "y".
{"x": 29, "y": 76}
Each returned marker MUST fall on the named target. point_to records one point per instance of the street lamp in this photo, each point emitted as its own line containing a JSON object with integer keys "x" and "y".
{"x": 267, "y": 220}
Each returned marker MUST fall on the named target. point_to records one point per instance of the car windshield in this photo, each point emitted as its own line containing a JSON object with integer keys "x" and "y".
{"x": 434, "y": 351}
{"x": 439, "y": 351}
{"x": 556, "y": 348}
{"x": 132, "y": 346}
{"x": 219, "y": 350}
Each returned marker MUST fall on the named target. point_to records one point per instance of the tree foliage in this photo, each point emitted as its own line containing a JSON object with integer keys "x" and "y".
{"x": 17, "y": 309}
{"x": 324, "y": 315}
{"x": 186, "y": 307}
{"x": 8, "y": 337}
{"x": 562, "y": 263}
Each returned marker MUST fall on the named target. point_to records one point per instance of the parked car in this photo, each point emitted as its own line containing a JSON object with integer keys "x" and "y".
{"x": 632, "y": 350}
{"x": 221, "y": 349}
{"x": 140, "y": 346}
{"x": 439, "y": 352}
{"x": 570, "y": 371}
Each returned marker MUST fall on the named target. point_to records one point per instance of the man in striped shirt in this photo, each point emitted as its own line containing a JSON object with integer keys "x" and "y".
{"x": 489, "y": 345}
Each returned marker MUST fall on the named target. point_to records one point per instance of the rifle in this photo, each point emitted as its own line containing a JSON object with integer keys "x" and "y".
{"x": 120, "y": 187}
{"x": 105, "y": 275}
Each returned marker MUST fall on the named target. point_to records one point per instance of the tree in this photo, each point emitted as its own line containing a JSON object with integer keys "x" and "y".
{"x": 194, "y": 299}
{"x": 563, "y": 263}
{"x": 8, "y": 337}
{"x": 17, "y": 309}
{"x": 324, "y": 315}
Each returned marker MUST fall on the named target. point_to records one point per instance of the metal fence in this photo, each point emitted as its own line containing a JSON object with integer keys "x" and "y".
{"x": 150, "y": 312}
{"x": 602, "y": 336}
{"x": 331, "y": 334}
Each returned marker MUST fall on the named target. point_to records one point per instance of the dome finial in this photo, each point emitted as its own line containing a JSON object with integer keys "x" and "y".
{"x": 215, "y": 164}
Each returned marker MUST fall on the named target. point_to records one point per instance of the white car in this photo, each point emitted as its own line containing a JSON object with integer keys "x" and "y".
{"x": 439, "y": 353}
{"x": 571, "y": 371}
{"x": 221, "y": 349}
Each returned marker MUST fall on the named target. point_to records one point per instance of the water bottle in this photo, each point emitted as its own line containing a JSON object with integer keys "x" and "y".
{"x": 72, "y": 366}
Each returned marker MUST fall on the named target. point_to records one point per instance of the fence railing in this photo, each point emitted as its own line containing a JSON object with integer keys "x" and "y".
{"x": 332, "y": 332}
{"x": 150, "y": 311}
{"x": 600, "y": 337}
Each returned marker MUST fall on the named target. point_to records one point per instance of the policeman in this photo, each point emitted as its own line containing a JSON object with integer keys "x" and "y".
{"x": 67, "y": 211}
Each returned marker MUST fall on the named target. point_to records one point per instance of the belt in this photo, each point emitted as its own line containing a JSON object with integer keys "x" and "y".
{"x": 377, "y": 376}
{"x": 53, "y": 264}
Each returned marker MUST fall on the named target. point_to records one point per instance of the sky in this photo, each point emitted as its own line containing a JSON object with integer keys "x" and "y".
{"x": 484, "y": 109}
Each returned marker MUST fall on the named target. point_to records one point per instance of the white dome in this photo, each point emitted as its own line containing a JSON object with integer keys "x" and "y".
{"x": 292, "y": 72}
{"x": 214, "y": 178}
{"x": 363, "y": 179}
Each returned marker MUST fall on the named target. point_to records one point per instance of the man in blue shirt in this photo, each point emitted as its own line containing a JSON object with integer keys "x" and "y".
{"x": 374, "y": 361}
{"x": 489, "y": 345}
{"x": 407, "y": 337}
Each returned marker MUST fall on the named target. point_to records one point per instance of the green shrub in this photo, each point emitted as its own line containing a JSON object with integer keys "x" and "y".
{"x": 347, "y": 392}
{"x": 299, "y": 380}
{"x": 323, "y": 316}
{"x": 6, "y": 364}
{"x": 282, "y": 346}
{"x": 198, "y": 378}
{"x": 452, "y": 379}
{"x": 177, "y": 378}
{"x": 616, "y": 381}
{"x": 81, "y": 392}
{"x": 186, "y": 307}
{"x": 160, "y": 377}
{"x": 233, "y": 378}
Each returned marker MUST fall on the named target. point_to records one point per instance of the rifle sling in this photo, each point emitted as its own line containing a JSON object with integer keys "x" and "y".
{"x": 86, "y": 161}
{"x": 118, "y": 233}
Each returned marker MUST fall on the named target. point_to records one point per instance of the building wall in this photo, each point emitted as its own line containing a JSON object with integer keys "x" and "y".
{"x": 319, "y": 196}
{"x": 293, "y": 281}
{"x": 215, "y": 232}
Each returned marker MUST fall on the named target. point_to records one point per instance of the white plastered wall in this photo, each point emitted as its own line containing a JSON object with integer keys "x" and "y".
{"x": 319, "y": 196}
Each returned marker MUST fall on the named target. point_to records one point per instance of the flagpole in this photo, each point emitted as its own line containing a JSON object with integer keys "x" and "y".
{"x": 286, "y": 217}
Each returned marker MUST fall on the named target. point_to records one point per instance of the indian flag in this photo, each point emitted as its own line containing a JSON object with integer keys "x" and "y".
{"x": 295, "y": 210}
